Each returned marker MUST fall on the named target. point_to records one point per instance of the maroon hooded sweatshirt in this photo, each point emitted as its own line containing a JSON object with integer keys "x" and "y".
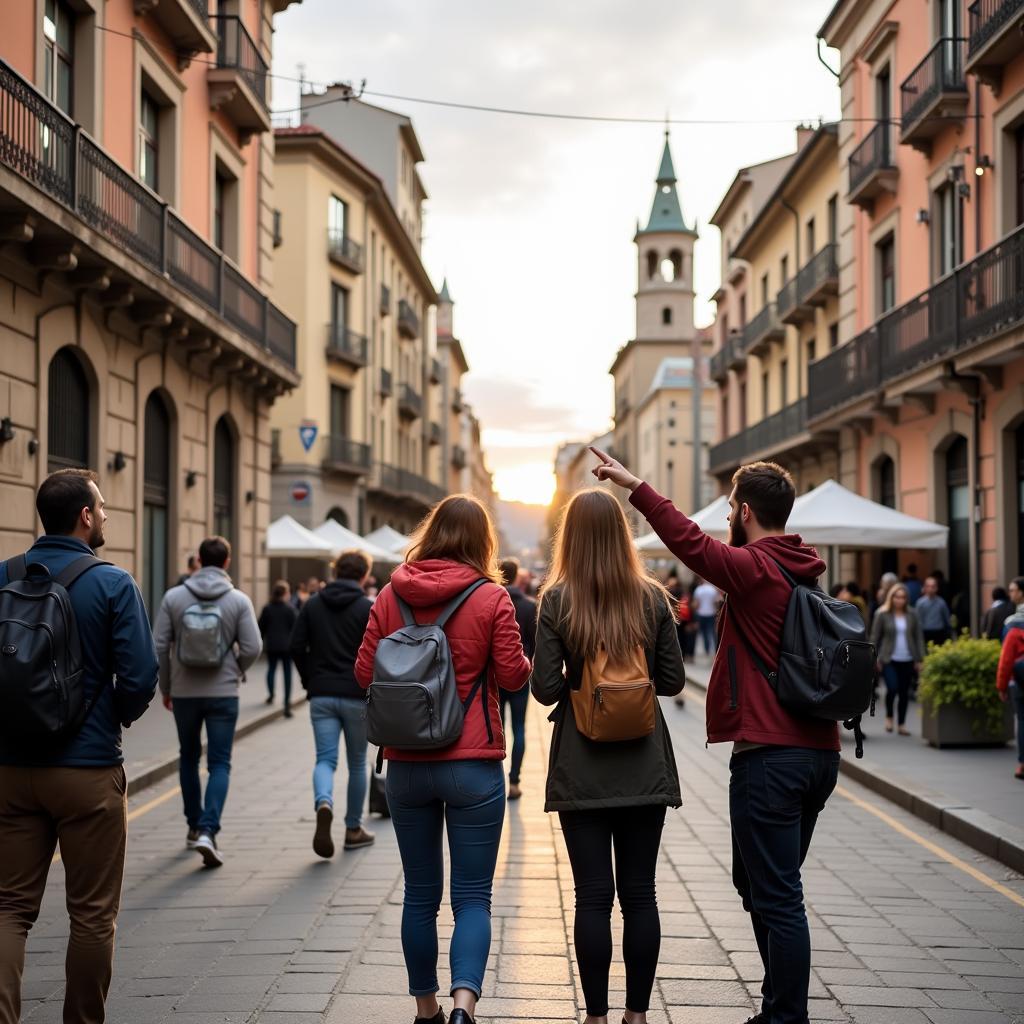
{"x": 741, "y": 706}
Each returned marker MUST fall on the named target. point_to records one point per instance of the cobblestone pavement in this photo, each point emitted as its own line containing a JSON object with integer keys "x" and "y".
{"x": 909, "y": 926}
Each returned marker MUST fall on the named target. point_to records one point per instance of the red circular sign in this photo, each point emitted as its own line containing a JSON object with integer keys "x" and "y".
{"x": 300, "y": 492}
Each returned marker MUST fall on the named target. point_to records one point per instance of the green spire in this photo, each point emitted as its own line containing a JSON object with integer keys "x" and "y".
{"x": 666, "y": 214}
{"x": 444, "y": 295}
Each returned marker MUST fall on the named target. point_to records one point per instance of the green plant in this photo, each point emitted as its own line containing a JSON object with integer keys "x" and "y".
{"x": 963, "y": 671}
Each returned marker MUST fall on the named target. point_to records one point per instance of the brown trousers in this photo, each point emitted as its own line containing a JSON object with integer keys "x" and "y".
{"x": 85, "y": 810}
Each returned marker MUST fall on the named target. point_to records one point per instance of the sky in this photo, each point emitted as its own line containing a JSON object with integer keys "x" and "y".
{"x": 532, "y": 219}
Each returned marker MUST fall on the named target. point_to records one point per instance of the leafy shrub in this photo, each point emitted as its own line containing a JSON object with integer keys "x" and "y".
{"x": 963, "y": 671}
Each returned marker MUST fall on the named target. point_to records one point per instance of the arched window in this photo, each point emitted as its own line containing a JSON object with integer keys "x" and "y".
{"x": 666, "y": 315}
{"x": 885, "y": 489}
{"x": 652, "y": 264}
{"x": 1020, "y": 498}
{"x": 68, "y": 428}
{"x": 958, "y": 498}
{"x": 339, "y": 515}
{"x": 156, "y": 475}
{"x": 676, "y": 259}
{"x": 224, "y": 480}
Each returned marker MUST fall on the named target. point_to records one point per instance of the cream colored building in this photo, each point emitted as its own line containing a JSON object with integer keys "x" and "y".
{"x": 655, "y": 426}
{"x": 777, "y": 308}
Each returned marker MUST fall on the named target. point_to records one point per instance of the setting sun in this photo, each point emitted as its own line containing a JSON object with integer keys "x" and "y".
{"x": 532, "y": 484}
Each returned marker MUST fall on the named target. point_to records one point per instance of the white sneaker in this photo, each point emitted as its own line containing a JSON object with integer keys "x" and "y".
{"x": 206, "y": 847}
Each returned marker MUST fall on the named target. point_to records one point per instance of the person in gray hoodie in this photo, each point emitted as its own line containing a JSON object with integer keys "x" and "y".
{"x": 206, "y": 636}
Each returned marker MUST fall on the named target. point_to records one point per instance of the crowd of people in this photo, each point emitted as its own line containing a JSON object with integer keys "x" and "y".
{"x": 444, "y": 654}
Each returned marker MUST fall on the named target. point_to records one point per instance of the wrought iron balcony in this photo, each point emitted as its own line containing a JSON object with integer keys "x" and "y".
{"x": 819, "y": 277}
{"x": 458, "y": 403}
{"x": 408, "y": 321}
{"x": 405, "y": 484}
{"x": 458, "y": 457}
{"x": 435, "y": 371}
{"x": 47, "y": 149}
{"x": 186, "y": 22}
{"x": 934, "y": 94}
{"x": 386, "y": 383}
{"x": 994, "y": 40}
{"x": 763, "y": 330}
{"x": 410, "y": 402}
{"x": 385, "y": 300}
{"x": 434, "y": 433}
{"x": 982, "y": 299}
{"x": 787, "y": 305}
{"x": 346, "y": 346}
{"x": 343, "y": 455}
{"x": 238, "y": 82}
{"x": 771, "y": 436}
{"x": 729, "y": 357}
{"x": 872, "y": 170}
{"x": 344, "y": 250}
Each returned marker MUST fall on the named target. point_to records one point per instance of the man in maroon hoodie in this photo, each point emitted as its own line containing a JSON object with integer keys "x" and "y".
{"x": 783, "y": 768}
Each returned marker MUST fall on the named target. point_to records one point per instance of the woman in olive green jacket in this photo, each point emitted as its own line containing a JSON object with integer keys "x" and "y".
{"x": 899, "y": 643}
{"x": 608, "y": 794}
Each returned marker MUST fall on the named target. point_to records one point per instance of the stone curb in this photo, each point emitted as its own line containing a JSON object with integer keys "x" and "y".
{"x": 981, "y": 831}
{"x": 153, "y": 773}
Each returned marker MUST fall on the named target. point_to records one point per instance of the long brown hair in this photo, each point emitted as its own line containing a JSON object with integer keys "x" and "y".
{"x": 607, "y": 595}
{"x": 458, "y": 529}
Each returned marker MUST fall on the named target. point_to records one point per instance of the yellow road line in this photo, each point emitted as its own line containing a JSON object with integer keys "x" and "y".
{"x": 909, "y": 833}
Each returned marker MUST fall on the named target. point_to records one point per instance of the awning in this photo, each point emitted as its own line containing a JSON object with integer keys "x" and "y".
{"x": 287, "y": 538}
{"x": 388, "y": 538}
{"x": 342, "y": 539}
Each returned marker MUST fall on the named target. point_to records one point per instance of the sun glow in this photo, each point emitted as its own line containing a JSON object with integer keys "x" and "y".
{"x": 532, "y": 484}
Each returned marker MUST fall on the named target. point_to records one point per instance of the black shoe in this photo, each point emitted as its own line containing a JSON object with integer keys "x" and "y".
{"x": 269, "y": 700}
{"x": 287, "y": 711}
{"x": 438, "y": 1018}
{"x": 459, "y": 1016}
{"x": 758, "y": 1018}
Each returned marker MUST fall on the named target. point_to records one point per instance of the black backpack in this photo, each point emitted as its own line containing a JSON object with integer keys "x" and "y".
{"x": 826, "y": 664}
{"x": 42, "y": 690}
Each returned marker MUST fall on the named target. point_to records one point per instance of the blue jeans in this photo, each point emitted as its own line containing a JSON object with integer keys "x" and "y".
{"x": 219, "y": 715}
{"x": 331, "y": 715}
{"x": 470, "y": 796}
{"x": 518, "y": 702}
{"x": 775, "y": 796}
{"x": 1017, "y": 696}
{"x": 285, "y": 661}
{"x": 706, "y": 624}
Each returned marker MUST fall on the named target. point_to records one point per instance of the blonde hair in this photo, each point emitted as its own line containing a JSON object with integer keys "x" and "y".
{"x": 607, "y": 595}
{"x": 458, "y": 529}
{"x": 891, "y": 593}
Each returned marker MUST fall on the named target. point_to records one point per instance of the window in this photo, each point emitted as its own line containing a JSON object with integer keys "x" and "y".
{"x": 833, "y": 218}
{"x": 68, "y": 430}
{"x": 784, "y": 269}
{"x": 949, "y": 19}
{"x": 743, "y": 405}
{"x": 149, "y": 144}
{"x": 764, "y": 290}
{"x": 225, "y": 210}
{"x": 339, "y": 308}
{"x": 883, "y": 110}
{"x": 743, "y": 310}
{"x": 810, "y": 238}
{"x": 219, "y": 189}
{"x": 784, "y": 373}
{"x": 58, "y": 54}
{"x": 1020, "y": 498}
{"x": 666, "y": 315}
{"x": 278, "y": 237}
{"x": 339, "y": 515}
{"x": 155, "y": 497}
{"x": 886, "y": 261}
{"x": 1018, "y": 147}
{"x": 339, "y": 411}
{"x": 885, "y": 490}
{"x": 958, "y": 506}
{"x": 812, "y": 347}
{"x": 949, "y": 229}
{"x": 224, "y": 480}
{"x": 765, "y": 381}
{"x": 833, "y": 336}
{"x": 337, "y": 218}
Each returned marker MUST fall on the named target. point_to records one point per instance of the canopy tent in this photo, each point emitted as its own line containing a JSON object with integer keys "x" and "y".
{"x": 712, "y": 519}
{"x": 388, "y": 538}
{"x": 342, "y": 539}
{"x": 833, "y": 516}
{"x": 287, "y": 538}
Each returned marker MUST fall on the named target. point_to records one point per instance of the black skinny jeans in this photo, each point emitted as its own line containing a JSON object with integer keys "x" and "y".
{"x": 635, "y": 834}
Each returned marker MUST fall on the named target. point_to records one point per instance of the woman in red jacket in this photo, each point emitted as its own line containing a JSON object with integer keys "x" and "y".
{"x": 1007, "y": 681}
{"x": 463, "y": 784}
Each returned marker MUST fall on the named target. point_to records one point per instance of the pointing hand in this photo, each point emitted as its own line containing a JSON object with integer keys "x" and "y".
{"x": 609, "y": 469}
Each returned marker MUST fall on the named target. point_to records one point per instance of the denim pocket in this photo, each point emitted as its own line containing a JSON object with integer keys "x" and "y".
{"x": 785, "y": 783}
{"x": 477, "y": 779}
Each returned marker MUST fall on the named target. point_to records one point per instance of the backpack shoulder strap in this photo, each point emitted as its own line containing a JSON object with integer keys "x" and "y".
{"x": 16, "y": 568}
{"x": 456, "y": 603}
{"x": 755, "y": 657}
{"x": 77, "y": 568}
{"x": 406, "y": 612}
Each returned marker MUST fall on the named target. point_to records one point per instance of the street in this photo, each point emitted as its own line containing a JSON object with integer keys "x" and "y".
{"x": 908, "y": 925}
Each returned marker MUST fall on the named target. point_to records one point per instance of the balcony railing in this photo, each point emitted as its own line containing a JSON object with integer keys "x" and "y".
{"x": 405, "y": 483}
{"x": 435, "y": 371}
{"x": 434, "y": 433}
{"x": 47, "y": 149}
{"x": 994, "y": 38}
{"x": 728, "y": 357}
{"x": 764, "y": 328}
{"x": 344, "y": 250}
{"x": 934, "y": 93}
{"x": 871, "y": 164}
{"x": 237, "y": 50}
{"x": 458, "y": 404}
{"x": 346, "y": 345}
{"x": 385, "y": 300}
{"x": 408, "y": 321}
{"x": 979, "y": 300}
{"x": 772, "y": 434}
{"x": 410, "y": 402}
{"x": 186, "y": 22}
{"x": 458, "y": 456}
{"x": 386, "y": 383}
{"x": 786, "y": 302}
{"x": 819, "y": 276}
{"x": 342, "y": 453}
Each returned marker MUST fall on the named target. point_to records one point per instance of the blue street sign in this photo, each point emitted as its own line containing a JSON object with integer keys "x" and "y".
{"x": 307, "y": 435}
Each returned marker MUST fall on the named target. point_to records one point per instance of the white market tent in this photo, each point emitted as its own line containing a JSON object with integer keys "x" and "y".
{"x": 712, "y": 519}
{"x": 833, "y": 516}
{"x": 342, "y": 539}
{"x": 388, "y": 538}
{"x": 287, "y": 538}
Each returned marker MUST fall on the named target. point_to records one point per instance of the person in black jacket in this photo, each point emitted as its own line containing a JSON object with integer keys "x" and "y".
{"x": 608, "y": 795}
{"x": 277, "y": 620}
{"x": 518, "y": 700}
{"x": 324, "y": 645}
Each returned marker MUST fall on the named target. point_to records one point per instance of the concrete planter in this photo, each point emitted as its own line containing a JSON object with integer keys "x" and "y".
{"x": 953, "y": 726}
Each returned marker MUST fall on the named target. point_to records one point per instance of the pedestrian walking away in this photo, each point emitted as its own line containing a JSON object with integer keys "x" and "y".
{"x": 706, "y": 599}
{"x": 325, "y": 643}
{"x": 517, "y": 701}
{"x": 599, "y": 613}
{"x": 899, "y": 641}
{"x": 1010, "y": 674}
{"x": 276, "y": 621}
{"x": 206, "y": 637}
{"x": 784, "y": 767}
{"x": 451, "y": 578}
{"x": 933, "y": 613}
{"x": 67, "y": 785}
{"x": 996, "y": 614}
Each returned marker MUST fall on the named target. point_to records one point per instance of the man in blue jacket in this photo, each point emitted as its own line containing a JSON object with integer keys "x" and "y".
{"x": 74, "y": 794}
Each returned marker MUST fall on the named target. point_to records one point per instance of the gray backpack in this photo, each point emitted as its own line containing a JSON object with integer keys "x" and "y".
{"x": 201, "y": 642}
{"x": 413, "y": 702}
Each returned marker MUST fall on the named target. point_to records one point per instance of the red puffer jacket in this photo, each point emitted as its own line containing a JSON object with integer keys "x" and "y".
{"x": 483, "y": 629}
